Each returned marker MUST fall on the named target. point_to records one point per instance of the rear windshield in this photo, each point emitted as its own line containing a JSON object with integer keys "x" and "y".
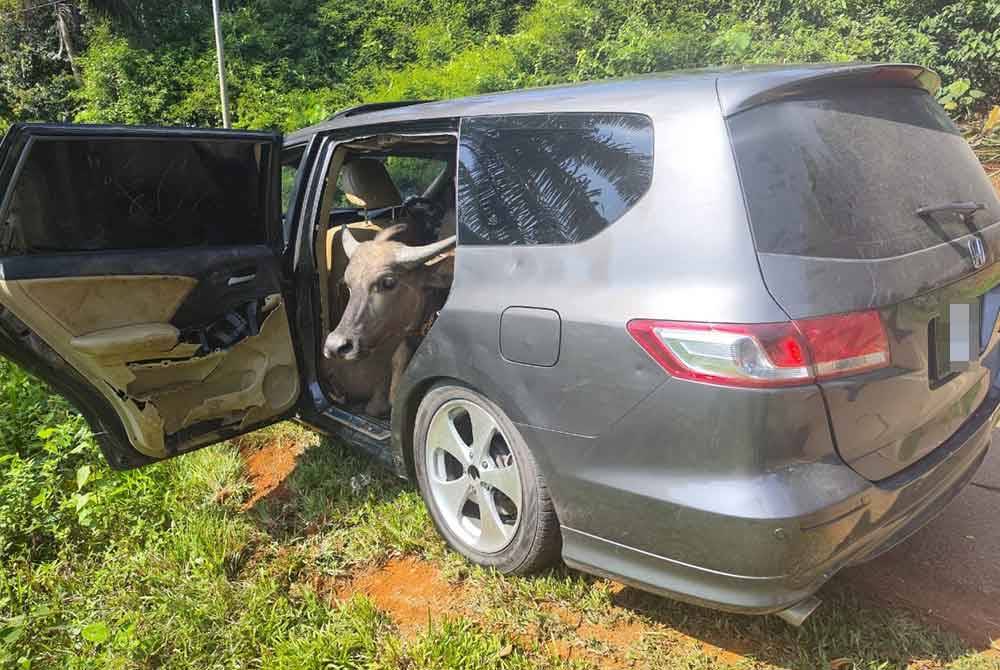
{"x": 841, "y": 176}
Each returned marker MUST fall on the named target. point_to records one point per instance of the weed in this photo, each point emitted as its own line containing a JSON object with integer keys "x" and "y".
{"x": 167, "y": 567}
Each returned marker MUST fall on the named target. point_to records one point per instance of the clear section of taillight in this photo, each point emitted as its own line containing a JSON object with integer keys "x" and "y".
{"x": 766, "y": 354}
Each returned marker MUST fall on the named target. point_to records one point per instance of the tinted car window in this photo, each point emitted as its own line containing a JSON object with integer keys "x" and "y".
{"x": 550, "y": 178}
{"x": 96, "y": 194}
{"x": 841, "y": 176}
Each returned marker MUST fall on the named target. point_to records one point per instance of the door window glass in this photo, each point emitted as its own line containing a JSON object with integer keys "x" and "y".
{"x": 550, "y": 178}
{"x": 291, "y": 159}
{"x": 412, "y": 175}
{"x": 125, "y": 193}
{"x": 409, "y": 175}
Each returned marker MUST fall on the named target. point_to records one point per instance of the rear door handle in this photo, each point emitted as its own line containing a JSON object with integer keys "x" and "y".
{"x": 241, "y": 279}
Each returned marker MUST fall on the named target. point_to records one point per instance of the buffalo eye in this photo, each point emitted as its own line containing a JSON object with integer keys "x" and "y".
{"x": 387, "y": 283}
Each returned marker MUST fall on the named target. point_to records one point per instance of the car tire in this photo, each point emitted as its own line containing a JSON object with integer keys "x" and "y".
{"x": 523, "y": 536}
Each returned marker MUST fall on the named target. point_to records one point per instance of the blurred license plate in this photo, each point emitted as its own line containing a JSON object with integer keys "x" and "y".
{"x": 960, "y": 334}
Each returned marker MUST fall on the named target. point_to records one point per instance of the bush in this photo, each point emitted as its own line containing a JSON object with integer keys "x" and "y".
{"x": 294, "y": 63}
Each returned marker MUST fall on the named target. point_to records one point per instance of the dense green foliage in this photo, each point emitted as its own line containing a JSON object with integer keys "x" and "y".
{"x": 166, "y": 567}
{"x": 292, "y": 62}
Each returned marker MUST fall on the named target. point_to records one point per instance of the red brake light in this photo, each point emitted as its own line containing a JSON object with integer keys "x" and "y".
{"x": 843, "y": 344}
{"x": 766, "y": 354}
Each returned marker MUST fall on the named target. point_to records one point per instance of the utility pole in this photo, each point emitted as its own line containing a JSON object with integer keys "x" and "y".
{"x": 221, "y": 58}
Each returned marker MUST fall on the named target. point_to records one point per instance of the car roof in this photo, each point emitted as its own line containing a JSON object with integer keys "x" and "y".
{"x": 737, "y": 88}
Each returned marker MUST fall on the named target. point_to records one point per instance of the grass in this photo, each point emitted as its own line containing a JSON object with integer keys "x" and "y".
{"x": 166, "y": 567}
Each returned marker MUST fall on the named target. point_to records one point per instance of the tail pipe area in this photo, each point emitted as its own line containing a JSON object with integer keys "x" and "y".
{"x": 799, "y": 612}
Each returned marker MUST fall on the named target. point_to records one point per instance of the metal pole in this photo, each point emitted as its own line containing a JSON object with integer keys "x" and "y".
{"x": 221, "y": 58}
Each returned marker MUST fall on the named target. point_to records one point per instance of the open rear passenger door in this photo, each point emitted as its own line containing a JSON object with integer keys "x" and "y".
{"x": 141, "y": 277}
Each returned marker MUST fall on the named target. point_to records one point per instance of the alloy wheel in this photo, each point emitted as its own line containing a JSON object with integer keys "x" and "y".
{"x": 473, "y": 475}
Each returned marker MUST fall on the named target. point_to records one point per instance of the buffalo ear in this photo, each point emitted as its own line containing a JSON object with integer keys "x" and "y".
{"x": 440, "y": 274}
{"x": 390, "y": 232}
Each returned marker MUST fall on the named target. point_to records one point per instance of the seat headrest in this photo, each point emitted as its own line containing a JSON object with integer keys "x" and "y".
{"x": 367, "y": 183}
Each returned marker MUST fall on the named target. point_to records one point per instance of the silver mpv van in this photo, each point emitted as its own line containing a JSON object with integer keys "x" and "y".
{"x": 716, "y": 334}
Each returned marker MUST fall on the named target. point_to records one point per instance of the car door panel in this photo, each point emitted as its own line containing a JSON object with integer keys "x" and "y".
{"x": 47, "y": 308}
{"x": 120, "y": 330}
{"x": 138, "y": 341}
{"x": 184, "y": 345}
{"x": 85, "y": 304}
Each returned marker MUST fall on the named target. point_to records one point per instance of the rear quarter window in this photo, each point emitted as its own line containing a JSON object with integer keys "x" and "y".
{"x": 115, "y": 193}
{"x": 842, "y": 175}
{"x": 550, "y": 178}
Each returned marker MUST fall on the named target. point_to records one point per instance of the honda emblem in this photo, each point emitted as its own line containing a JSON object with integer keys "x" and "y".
{"x": 977, "y": 252}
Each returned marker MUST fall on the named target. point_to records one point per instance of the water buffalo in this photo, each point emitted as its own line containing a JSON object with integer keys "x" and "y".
{"x": 390, "y": 286}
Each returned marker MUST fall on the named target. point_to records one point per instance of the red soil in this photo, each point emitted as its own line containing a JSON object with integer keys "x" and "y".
{"x": 268, "y": 466}
{"x": 411, "y": 591}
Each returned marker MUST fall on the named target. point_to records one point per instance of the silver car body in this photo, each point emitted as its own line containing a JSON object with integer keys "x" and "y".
{"x": 733, "y": 498}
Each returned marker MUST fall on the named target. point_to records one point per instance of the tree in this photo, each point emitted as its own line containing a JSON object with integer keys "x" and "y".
{"x": 68, "y": 25}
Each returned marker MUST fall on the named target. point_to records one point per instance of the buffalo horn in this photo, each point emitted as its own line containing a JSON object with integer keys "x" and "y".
{"x": 422, "y": 254}
{"x": 350, "y": 244}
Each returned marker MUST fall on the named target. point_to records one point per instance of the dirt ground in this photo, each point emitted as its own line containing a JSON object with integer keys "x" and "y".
{"x": 268, "y": 466}
{"x": 410, "y": 590}
{"x": 414, "y": 594}
{"x": 947, "y": 573}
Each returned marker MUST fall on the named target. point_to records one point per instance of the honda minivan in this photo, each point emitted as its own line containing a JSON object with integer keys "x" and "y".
{"x": 716, "y": 334}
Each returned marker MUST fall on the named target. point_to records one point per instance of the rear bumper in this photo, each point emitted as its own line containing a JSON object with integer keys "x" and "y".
{"x": 864, "y": 519}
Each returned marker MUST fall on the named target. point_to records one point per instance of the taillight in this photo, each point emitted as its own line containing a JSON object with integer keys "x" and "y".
{"x": 845, "y": 344}
{"x": 766, "y": 354}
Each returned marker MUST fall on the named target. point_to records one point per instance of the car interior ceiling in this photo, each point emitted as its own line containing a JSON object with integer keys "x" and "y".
{"x": 366, "y": 197}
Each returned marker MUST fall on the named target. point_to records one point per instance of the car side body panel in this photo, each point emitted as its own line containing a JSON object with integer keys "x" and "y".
{"x": 611, "y": 431}
{"x": 631, "y": 270}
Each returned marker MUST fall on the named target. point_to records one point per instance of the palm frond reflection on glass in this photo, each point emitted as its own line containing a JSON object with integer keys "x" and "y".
{"x": 550, "y": 178}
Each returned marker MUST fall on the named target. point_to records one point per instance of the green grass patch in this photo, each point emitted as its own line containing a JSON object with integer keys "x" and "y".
{"x": 166, "y": 567}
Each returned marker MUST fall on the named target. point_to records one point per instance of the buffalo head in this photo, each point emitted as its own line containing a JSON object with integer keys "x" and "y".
{"x": 388, "y": 283}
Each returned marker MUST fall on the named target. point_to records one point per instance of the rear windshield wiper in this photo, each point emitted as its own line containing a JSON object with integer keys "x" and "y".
{"x": 965, "y": 208}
